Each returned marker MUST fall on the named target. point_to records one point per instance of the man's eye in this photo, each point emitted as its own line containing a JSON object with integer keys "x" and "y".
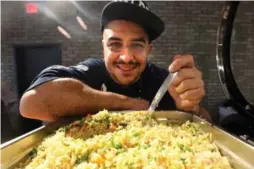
{"x": 137, "y": 45}
{"x": 115, "y": 45}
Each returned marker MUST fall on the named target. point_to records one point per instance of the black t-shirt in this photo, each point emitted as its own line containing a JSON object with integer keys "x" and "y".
{"x": 93, "y": 72}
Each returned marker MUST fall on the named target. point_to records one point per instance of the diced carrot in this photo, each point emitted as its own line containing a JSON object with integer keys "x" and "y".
{"x": 97, "y": 158}
{"x": 112, "y": 127}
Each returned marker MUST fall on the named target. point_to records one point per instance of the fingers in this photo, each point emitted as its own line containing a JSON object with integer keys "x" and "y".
{"x": 189, "y": 84}
{"x": 187, "y": 88}
{"x": 186, "y": 73}
{"x": 181, "y": 61}
{"x": 195, "y": 94}
{"x": 189, "y": 104}
{"x": 187, "y": 100}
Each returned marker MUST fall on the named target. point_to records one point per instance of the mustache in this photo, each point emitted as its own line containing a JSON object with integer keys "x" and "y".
{"x": 134, "y": 63}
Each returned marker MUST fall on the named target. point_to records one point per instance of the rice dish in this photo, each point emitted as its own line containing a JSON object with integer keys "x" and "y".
{"x": 127, "y": 141}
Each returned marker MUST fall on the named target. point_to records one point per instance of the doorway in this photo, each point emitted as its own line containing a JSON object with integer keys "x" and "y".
{"x": 30, "y": 61}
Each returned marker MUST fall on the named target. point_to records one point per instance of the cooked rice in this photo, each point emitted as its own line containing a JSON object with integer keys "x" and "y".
{"x": 126, "y": 141}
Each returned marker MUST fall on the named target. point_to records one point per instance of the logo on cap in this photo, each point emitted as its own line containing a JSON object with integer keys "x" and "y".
{"x": 139, "y": 3}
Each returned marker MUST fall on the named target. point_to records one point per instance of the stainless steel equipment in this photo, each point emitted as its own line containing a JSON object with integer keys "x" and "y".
{"x": 239, "y": 152}
{"x": 241, "y": 123}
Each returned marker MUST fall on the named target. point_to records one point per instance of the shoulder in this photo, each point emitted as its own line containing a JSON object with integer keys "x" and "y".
{"x": 90, "y": 72}
{"x": 90, "y": 66}
{"x": 91, "y": 63}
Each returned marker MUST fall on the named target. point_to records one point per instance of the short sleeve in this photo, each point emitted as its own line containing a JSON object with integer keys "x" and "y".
{"x": 90, "y": 72}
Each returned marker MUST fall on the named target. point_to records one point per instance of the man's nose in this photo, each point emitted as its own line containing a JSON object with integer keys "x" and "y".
{"x": 126, "y": 56}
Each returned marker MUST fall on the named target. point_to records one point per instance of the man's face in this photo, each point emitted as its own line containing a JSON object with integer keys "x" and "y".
{"x": 126, "y": 47}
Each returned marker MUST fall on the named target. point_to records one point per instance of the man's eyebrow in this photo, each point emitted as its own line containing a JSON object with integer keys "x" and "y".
{"x": 113, "y": 38}
{"x": 140, "y": 39}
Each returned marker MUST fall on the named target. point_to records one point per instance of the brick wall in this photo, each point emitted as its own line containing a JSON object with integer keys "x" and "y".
{"x": 190, "y": 27}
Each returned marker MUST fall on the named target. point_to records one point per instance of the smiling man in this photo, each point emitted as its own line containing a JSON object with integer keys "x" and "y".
{"x": 123, "y": 80}
{"x": 126, "y": 48}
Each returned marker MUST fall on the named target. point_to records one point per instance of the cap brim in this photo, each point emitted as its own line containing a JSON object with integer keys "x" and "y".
{"x": 151, "y": 23}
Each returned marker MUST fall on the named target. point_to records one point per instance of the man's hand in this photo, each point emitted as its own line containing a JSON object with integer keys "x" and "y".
{"x": 138, "y": 104}
{"x": 187, "y": 88}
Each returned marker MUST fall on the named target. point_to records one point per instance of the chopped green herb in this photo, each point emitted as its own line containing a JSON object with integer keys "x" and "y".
{"x": 97, "y": 121}
{"x": 65, "y": 143}
{"x": 68, "y": 127}
{"x": 82, "y": 159}
{"x": 162, "y": 148}
{"x": 187, "y": 148}
{"x": 62, "y": 129}
{"x": 136, "y": 134}
{"x": 183, "y": 160}
{"x": 33, "y": 152}
{"x": 180, "y": 146}
{"x": 107, "y": 120}
{"x": 81, "y": 121}
{"x": 146, "y": 146}
{"x": 130, "y": 165}
{"x": 184, "y": 147}
{"x": 118, "y": 146}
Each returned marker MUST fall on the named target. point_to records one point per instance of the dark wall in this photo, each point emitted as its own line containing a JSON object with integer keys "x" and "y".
{"x": 190, "y": 27}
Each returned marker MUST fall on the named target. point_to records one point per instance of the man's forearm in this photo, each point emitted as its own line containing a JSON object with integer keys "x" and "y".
{"x": 64, "y": 97}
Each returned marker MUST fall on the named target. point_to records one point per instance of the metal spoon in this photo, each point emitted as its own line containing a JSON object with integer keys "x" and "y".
{"x": 161, "y": 92}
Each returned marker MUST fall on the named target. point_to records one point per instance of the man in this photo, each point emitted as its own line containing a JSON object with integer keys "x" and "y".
{"x": 123, "y": 80}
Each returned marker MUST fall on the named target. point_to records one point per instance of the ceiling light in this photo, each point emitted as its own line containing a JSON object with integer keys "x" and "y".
{"x": 81, "y": 23}
{"x": 64, "y": 32}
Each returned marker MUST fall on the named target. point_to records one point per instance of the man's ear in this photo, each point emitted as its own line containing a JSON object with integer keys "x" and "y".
{"x": 150, "y": 47}
{"x": 102, "y": 42}
{"x": 103, "y": 39}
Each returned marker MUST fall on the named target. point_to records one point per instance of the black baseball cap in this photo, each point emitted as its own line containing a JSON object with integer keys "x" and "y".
{"x": 136, "y": 11}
